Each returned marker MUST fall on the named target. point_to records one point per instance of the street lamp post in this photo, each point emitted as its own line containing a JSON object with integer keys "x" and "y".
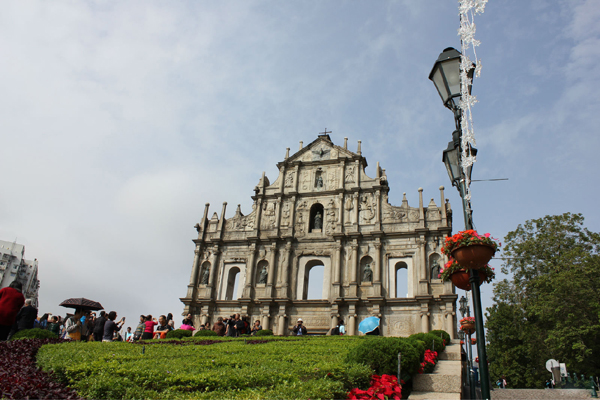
{"x": 446, "y": 78}
{"x": 465, "y": 309}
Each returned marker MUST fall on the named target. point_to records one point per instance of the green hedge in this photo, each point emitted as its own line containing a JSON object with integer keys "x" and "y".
{"x": 431, "y": 341}
{"x": 443, "y": 334}
{"x": 280, "y": 368}
{"x": 381, "y": 355}
{"x": 178, "y": 334}
{"x": 205, "y": 332}
{"x": 35, "y": 333}
{"x": 264, "y": 332}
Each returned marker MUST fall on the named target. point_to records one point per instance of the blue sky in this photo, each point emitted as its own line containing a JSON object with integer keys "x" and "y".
{"x": 121, "y": 119}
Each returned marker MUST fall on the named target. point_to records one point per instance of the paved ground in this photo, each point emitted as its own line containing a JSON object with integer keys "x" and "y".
{"x": 541, "y": 394}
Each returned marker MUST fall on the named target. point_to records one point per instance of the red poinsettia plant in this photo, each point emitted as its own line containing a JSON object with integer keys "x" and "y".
{"x": 430, "y": 359}
{"x": 468, "y": 238}
{"x": 452, "y": 266}
{"x": 382, "y": 387}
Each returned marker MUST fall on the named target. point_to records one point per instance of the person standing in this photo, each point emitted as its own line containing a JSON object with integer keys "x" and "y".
{"x": 139, "y": 331}
{"x": 74, "y": 325}
{"x": 299, "y": 329}
{"x": 99, "y": 327}
{"x": 149, "y": 330}
{"x": 128, "y": 335}
{"x": 27, "y": 316}
{"x": 110, "y": 327}
{"x": 11, "y": 301}
{"x": 54, "y": 326}
{"x": 219, "y": 327}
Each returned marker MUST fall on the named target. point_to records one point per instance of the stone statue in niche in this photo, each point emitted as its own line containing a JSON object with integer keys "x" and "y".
{"x": 205, "y": 276}
{"x": 349, "y": 177}
{"x": 331, "y": 217}
{"x": 367, "y": 274}
{"x": 435, "y": 269}
{"x": 263, "y": 275}
{"x": 289, "y": 179}
{"x": 318, "y": 220}
{"x": 319, "y": 181}
{"x": 269, "y": 215}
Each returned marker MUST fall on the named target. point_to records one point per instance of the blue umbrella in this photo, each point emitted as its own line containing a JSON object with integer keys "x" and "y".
{"x": 368, "y": 325}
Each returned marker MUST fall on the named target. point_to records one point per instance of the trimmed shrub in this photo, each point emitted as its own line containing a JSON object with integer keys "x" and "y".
{"x": 444, "y": 335}
{"x": 35, "y": 333}
{"x": 205, "y": 332}
{"x": 430, "y": 340}
{"x": 381, "y": 355}
{"x": 264, "y": 332}
{"x": 178, "y": 334}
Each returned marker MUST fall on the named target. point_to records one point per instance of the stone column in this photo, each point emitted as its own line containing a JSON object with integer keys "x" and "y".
{"x": 450, "y": 327}
{"x": 423, "y": 282}
{"x": 212, "y": 278}
{"x": 271, "y": 276}
{"x": 351, "y": 331}
{"x": 265, "y": 317}
{"x": 354, "y": 271}
{"x": 421, "y": 210}
{"x": 334, "y": 322}
{"x": 283, "y": 271}
{"x": 443, "y": 208}
{"x": 195, "y": 271}
{"x": 424, "y": 322}
{"x": 250, "y": 272}
{"x": 337, "y": 280}
{"x": 377, "y": 269}
{"x": 356, "y": 213}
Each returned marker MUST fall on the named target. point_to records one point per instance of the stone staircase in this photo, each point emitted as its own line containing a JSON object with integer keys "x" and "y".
{"x": 445, "y": 382}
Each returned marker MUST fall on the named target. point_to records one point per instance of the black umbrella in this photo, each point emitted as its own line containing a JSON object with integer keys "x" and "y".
{"x": 81, "y": 302}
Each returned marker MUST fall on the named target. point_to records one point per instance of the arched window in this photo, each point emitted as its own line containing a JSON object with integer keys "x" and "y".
{"x": 401, "y": 279}
{"x": 313, "y": 280}
{"x": 232, "y": 284}
{"x": 316, "y": 217}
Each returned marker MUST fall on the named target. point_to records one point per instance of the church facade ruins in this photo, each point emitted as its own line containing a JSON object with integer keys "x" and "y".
{"x": 324, "y": 211}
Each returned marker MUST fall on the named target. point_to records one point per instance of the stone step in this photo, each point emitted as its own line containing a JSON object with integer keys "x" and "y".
{"x": 452, "y": 352}
{"x": 539, "y": 394}
{"x": 445, "y": 378}
{"x": 434, "y": 396}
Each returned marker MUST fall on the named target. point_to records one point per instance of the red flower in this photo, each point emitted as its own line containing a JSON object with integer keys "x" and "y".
{"x": 382, "y": 387}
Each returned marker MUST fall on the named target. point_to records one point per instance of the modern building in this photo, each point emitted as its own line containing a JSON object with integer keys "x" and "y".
{"x": 14, "y": 266}
{"x": 323, "y": 212}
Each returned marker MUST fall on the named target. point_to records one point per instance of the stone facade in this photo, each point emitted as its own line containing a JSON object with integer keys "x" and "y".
{"x": 14, "y": 267}
{"x": 324, "y": 210}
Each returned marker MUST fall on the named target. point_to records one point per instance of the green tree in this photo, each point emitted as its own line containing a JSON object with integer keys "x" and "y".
{"x": 551, "y": 306}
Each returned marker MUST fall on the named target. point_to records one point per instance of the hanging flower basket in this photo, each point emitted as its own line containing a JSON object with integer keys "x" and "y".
{"x": 467, "y": 324}
{"x": 474, "y": 256}
{"x": 470, "y": 249}
{"x": 454, "y": 272}
{"x": 473, "y": 340}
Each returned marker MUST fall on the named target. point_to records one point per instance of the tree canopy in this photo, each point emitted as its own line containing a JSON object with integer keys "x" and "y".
{"x": 550, "y": 308}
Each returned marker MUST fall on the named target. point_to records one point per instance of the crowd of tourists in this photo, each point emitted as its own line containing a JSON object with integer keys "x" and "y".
{"x": 18, "y": 313}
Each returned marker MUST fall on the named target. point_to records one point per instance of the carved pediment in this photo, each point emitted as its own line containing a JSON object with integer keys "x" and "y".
{"x": 320, "y": 150}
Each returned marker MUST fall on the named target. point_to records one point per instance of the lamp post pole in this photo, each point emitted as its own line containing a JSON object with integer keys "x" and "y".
{"x": 446, "y": 78}
{"x": 464, "y": 308}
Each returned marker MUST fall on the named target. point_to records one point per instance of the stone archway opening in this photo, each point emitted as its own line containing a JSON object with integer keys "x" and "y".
{"x": 313, "y": 280}
{"x": 401, "y": 280}
{"x": 233, "y": 280}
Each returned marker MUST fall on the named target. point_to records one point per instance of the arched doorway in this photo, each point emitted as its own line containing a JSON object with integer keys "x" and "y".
{"x": 401, "y": 279}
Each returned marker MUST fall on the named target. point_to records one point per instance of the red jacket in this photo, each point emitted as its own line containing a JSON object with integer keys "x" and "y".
{"x": 11, "y": 301}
